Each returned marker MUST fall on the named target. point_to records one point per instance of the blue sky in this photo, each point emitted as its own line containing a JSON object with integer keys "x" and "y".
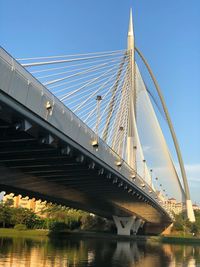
{"x": 166, "y": 31}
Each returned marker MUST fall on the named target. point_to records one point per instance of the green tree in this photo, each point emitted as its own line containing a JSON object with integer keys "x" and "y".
{"x": 182, "y": 224}
{"x": 5, "y": 215}
{"x": 9, "y": 202}
{"x": 24, "y": 216}
{"x": 62, "y": 214}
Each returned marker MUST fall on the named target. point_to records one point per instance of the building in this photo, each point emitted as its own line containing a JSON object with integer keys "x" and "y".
{"x": 174, "y": 206}
{"x": 36, "y": 206}
{"x": 195, "y": 207}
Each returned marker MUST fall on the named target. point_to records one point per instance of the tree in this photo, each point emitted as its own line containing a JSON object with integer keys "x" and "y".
{"x": 62, "y": 214}
{"x": 182, "y": 224}
{"x": 9, "y": 202}
{"x": 5, "y": 214}
{"x": 24, "y": 216}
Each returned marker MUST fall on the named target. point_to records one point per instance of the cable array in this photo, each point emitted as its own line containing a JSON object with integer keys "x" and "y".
{"x": 96, "y": 87}
{"x": 78, "y": 81}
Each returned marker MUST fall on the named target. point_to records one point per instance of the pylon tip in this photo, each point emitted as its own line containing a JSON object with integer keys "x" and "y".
{"x": 130, "y": 30}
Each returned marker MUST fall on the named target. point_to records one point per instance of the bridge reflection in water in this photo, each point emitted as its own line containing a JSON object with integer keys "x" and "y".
{"x": 18, "y": 252}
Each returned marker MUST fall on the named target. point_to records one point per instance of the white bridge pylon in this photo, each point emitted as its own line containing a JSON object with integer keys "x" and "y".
{"x": 107, "y": 91}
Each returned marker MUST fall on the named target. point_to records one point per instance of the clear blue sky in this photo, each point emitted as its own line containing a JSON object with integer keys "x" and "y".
{"x": 166, "y": 31}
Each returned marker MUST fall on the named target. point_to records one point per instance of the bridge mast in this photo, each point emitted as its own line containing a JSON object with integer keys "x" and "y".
{"x": 131, "y": 138}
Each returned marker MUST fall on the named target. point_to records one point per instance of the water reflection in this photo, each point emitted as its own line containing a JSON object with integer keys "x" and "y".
{"x": 19, "y": 252}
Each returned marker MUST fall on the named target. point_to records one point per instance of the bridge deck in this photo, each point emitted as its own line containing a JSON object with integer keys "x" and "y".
{"x": 52, "y": 157}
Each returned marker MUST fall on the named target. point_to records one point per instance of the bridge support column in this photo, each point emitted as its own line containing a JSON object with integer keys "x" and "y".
{"x": 136, "y": 225}
{"x": 124, "y": 224}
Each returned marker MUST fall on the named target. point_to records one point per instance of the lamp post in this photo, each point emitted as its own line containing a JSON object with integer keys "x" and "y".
{"x": 121, "y": 129}
{"x": 151, "y": 176}
{"x": 98, "y": 98}
{"x": 95, "y": 143}
{"x": 144, "y": 169}
{"x": 135, "y": 155}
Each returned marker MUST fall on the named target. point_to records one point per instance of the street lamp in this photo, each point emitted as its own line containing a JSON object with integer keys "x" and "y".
{"x": 95, "y": 143}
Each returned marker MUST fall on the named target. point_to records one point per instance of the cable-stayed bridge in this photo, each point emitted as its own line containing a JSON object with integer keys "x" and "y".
{"x": 82, "y": 130}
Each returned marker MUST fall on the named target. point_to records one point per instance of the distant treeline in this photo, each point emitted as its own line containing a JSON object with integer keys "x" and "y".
{"x": 53, "y": 217}
{"x": 57, "y": 218}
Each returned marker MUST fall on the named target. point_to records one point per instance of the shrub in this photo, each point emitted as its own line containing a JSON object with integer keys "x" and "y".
{"x": 20, "y": 227}
{"x": 95, "y": 223}
{"x": 57, "y": 226}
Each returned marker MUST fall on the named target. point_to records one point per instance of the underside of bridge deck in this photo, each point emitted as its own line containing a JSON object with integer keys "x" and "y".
{"x": 37, "y": 163}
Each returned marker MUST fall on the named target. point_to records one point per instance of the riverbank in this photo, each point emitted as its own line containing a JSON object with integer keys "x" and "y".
{"x": 180, "y": 240}
{"x": 142, "y": 238}
{"x": 10, "y": 232}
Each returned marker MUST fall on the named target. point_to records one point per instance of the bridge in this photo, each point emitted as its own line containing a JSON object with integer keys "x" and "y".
{"x": 82, "y": 131}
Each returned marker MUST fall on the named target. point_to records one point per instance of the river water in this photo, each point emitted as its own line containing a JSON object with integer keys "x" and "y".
{"x": 79, "y": 252}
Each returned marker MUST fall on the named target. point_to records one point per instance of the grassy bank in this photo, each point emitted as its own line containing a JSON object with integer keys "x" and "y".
{"x": 10, "y": 232}
{"x": 180, "y": 240}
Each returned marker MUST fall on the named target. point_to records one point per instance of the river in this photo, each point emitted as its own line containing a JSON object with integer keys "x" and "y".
{"x": 82, "y": 252}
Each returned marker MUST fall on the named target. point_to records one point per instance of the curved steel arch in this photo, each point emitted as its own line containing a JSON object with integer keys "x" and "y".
{"x": 190, "y": 212}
